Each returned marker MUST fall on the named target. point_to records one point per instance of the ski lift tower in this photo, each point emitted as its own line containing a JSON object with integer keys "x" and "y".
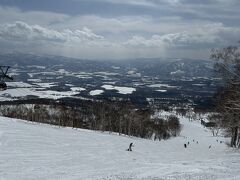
{"x": 3, "y": 77}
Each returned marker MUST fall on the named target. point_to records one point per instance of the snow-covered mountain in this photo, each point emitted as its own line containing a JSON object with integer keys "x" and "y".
{"x": 31, "y": 151}
{"x": 150, "y": 67}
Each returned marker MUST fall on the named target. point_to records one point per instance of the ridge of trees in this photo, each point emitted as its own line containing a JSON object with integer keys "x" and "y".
{"x": 113, "y": 116}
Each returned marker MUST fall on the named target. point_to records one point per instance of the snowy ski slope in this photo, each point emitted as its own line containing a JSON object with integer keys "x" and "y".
{"x": 31, "y": 151}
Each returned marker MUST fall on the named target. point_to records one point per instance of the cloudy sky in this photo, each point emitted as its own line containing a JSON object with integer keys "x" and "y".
{"x": 118, "y": 29}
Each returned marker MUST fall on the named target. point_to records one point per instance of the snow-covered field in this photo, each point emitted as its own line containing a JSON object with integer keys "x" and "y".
{"x": 36, "y": 151}
{"x": 12, "y": 94}
{"x": 161, "y": 86}
{"x": 19, "y": 85}
{"x": 162, "y": 90}
{"x": 77, "y": 89}
{"x": 121, "y": 90}
{"x": 96, "y": 92}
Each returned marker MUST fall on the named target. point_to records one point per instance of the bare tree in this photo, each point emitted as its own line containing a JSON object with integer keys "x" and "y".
{"x": 216, "y": 119}
{"x": 227, "y": 64}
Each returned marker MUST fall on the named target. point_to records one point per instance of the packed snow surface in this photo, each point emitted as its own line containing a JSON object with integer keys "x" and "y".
{"x": 31, "y": 151}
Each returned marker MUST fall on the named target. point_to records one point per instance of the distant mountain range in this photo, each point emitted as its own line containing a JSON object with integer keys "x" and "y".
{"x": 164, "y": 68}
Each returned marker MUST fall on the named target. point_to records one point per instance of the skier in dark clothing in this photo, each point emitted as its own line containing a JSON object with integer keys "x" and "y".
{"x": 130, "y": 147}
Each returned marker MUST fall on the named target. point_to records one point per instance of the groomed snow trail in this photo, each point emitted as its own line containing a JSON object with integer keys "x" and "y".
{"x": 31, "y": 151}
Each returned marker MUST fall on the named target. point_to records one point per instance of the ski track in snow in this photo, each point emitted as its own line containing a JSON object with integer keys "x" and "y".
{"x": 31, "y": 151}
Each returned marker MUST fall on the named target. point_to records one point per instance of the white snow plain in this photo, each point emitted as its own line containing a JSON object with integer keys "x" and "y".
{"x": 12, "y": 94}
{"x": 77, "y": 89}
{"x": 161, "y": 86}
{"x": 31, "y": 151}
{"x": 121, "y": 90}
{"x": 96, "y": 92}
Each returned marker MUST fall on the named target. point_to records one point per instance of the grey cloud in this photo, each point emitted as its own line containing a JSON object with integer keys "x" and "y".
{"x": 165, "y": 27}
{"x": 22, "y": 31}
{"x": 207, "y": 36}
{"x": 19, "y": 31}
{"x": 197, "y": 9}
{"x": 43, "y": 18}
{"x": 128, "y": 2}
{"x": 83, "y": 41}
